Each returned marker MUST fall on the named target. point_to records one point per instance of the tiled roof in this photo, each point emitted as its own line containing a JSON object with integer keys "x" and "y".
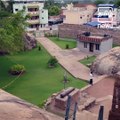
{"x": 88, "y": 39}
{"x": 84, "y": 38}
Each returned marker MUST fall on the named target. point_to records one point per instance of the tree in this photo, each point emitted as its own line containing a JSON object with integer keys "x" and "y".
{"x": 53, "y": 10}
{"x": 52, "y": 62}
{"x": 12, "y": 32}
{"x": 99, "y": 2}
{"x": 117, "y": 3}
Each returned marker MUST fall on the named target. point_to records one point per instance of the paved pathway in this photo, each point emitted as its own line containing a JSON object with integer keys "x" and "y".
{"x": 68, "y": 59}
{"x": 101, "y": 89}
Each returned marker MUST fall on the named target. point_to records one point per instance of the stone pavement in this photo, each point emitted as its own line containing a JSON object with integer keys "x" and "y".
{"x": 102, "y": 88}
{"x": 102, "y": 91}
{"x": 69, "y": 59}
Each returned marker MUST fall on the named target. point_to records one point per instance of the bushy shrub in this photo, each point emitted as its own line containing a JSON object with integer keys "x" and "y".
{"x": 39, "y": 48}
{"x": 67, "y": 46}
{"x": 52, "y": 62}
{"x": 17, "y": 69}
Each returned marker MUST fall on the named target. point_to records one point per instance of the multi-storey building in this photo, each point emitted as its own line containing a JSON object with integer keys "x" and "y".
{"x": 78, "y": 13}
{"x": 35, "y": 9}
{"x": 107, "y": 14}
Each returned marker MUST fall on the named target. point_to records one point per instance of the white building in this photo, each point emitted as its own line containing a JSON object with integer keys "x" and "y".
{"x": 107, "y": 14}
{"x": 38, "y": 16}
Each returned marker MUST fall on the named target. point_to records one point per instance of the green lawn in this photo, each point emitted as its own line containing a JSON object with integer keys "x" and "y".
{"x": 63, "y": 42}
{"x": 88, "y": 60}
{"x": 39, "y": 81}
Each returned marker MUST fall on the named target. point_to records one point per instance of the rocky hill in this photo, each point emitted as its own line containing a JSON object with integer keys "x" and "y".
{"x": 13, "y": 108}
{"x": 107, "y": 63}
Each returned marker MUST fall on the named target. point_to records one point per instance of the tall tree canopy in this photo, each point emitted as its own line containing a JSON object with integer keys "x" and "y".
{"x": 53, "y": 8}
{"x": 11, "y": 32}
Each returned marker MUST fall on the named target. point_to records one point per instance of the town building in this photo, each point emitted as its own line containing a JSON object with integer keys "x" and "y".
{"x": 94, "y": 43}
{"x": 78, "y": 13}
{"x": 108, "y": 15}
{"x": 35, "y": 9}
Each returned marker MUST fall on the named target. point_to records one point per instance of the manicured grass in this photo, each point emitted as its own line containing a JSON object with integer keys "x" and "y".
{"x": 39, "y": 81}
{"x": 63, "y": 42}
{"x": 88, "y": 60}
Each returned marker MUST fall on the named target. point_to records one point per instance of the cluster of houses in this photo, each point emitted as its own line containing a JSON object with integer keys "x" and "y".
{"x": 97, "y": 16}
{"x": 103, "y": 15}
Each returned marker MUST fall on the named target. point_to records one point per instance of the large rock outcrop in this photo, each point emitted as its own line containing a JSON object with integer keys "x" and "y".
{"x": 107, "y": 63}
{"x": 30, "y": 41}
{"x": 13, "y": 108}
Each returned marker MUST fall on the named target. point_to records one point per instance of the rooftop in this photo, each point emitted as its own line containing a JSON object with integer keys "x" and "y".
{"x": 96, "y": 38}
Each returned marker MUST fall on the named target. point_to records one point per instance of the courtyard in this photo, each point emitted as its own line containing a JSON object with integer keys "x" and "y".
{"x": 39, "y": 82}
{"x": 102, "y": 89}
{"x": 59, "y": 72}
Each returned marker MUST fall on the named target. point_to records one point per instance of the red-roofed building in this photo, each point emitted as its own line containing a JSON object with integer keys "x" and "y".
{"x": 94, "y": 43}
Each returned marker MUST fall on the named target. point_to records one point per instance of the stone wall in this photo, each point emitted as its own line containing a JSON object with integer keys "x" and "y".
{"x": 71, "y": 31}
